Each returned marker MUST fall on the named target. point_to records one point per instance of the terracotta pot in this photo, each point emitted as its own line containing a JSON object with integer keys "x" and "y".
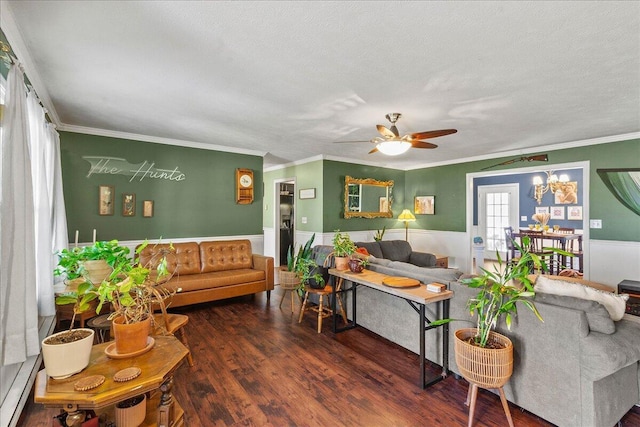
{"x": 355, "y": 265}
{"x": 131, "y": 338}
{"x": 131, "y": 412}
{"x": 96, "y": 270}
{"x": 342, "y": 263}
{"x": 487, "y": 367}
{"x": 66, "y": 359}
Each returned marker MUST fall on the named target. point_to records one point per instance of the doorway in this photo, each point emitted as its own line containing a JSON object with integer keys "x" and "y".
{"x": 285, "y": 219}
{"x": 498, "y": 207}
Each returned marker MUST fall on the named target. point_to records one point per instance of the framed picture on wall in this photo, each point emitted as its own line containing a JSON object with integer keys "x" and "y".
{"x": 425, "y": 205}
{"x": 557, "y": 212}
{"x": 128, "y": 204}
{"x": 147, "y": 208}
{"x": 574, "y": 212}
{"x": 106, "y": 197}
{"x": 542, "y": 209}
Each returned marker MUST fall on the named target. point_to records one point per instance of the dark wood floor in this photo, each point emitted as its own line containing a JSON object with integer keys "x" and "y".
{"x": 256, "y": 366}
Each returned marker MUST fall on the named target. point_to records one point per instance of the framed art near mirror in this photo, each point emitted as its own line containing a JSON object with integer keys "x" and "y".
{"x": 367, "y": 198}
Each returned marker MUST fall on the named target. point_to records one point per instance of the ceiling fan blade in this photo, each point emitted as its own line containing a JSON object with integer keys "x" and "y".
{"x": 385, "y": 132}
{"x": 433, "y": 133}
{"x": 373, "y": 151}
{"x": 421, "y": 144}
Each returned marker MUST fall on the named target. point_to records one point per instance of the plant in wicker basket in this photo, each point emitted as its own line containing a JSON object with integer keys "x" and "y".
{"x": 484, "y": 357}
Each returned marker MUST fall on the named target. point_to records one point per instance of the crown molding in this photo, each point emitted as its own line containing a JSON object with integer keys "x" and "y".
{"x": 553, "y": 147}
{"x": 157, "y": 140}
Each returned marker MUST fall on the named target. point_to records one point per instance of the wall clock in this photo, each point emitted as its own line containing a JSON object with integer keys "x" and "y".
{"x": 244, "y": 186}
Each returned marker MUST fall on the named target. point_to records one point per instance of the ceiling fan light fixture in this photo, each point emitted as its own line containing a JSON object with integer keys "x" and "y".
{"x": 393, "y": 147}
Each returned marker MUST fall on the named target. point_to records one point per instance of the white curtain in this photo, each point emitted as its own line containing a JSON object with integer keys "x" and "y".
{"x": 33, "y": 222}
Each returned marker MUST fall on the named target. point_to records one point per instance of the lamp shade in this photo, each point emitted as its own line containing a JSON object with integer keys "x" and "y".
{"x": 406, "y": 216}
{"x": 393, "y": 147}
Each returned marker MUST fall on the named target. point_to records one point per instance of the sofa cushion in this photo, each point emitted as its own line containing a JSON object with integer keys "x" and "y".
{"x": 372, "y": 247}
{"x": 615, "y": 304}
{"x": 602, "y": 355}
{"x": 194, "y": 282}
{"x": 395, "y": 250}
{"x": 597, "y": 315}
{"x": 225, "y": 255}
{"x": 182, "y": 260}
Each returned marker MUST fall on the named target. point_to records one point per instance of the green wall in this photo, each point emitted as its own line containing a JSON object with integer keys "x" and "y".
{"x": 334, "y": 175}
{"x": 307, "y": 175}
{"x": 201, "y": 205}
{"x": 447, "y": 183}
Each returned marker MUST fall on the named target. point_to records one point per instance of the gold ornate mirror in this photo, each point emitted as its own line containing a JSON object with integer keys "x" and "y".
{"x": 367, "y": 198}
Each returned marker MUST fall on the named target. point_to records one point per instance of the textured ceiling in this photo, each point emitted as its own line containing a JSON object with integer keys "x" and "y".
{"x": 287, "y": 79}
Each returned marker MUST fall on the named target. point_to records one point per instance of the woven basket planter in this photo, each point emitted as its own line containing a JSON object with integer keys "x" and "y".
{"x": 486, "y": 367}
{"x": 289, "y": 279}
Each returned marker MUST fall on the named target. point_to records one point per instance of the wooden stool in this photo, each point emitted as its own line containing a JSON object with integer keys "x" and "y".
{"x": 321, "y": 309}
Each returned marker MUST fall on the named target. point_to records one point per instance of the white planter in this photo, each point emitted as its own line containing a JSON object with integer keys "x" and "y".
{"x": 64, "y": 360}
{"x": 131, "y": 416}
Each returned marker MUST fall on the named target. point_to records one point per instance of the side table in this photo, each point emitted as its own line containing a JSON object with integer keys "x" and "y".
{"x": 102, "y": 325}
{"x": 157, "y": 368}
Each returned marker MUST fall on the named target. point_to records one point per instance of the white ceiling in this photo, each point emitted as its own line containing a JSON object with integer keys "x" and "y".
{"x": 287, "y": 79}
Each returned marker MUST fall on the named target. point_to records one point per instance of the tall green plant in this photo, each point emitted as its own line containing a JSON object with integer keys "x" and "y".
{"x": 304, "y": 253}
{"x": 502, "y": 289}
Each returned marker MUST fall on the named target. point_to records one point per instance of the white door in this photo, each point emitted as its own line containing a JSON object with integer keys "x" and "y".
{"x": 498, "y": 207}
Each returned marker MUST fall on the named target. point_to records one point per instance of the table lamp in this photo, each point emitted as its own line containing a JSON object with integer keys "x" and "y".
{"x": 406, "y": 216}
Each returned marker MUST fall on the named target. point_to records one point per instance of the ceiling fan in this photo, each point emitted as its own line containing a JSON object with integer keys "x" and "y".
{"x": 392, "y": 144}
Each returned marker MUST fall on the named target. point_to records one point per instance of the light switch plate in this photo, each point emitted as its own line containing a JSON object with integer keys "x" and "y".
{"x": 523, "y": 218}
{"x": 304, "y": 219}
{"x": 595, "y": 223}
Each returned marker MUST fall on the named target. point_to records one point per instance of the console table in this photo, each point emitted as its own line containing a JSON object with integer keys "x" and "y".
{"x": 157, "y": 367}
{"x": 417, "y": 297}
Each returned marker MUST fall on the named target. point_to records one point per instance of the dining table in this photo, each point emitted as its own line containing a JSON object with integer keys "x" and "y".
{"x": 542, "y": 241}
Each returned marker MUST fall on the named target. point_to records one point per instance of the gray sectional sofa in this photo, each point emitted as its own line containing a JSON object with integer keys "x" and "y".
{"x": 578, "y": 368}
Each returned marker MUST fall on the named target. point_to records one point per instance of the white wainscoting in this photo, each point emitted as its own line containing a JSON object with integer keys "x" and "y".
{"x": 613, "y": 261}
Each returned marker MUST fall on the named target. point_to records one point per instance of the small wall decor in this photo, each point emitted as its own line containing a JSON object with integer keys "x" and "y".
{"x": 425, "y": 205}
{"x": 106, "y": 197}
{"x": 557, "y": 212}
{"x": 244, "y": 186}
{"x": 147, "y": 208}
{"x": 307, "y": 193}
{"x": 574, "y": 212}
{"x": 128, "y": 204}
{"x": 542, "y": 209}
{"x": 566, "y": 193}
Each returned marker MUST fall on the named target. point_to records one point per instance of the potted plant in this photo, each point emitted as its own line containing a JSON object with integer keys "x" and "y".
{"x": 485, "y": 357}
{"x": 379, "y": 234}
{"x": 94, "y": 263}
{"x": 343, "y": 248}
{"x": 296, "y": 264}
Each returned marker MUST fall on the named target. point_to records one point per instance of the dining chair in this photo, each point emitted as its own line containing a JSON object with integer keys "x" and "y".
{"x": 172, "y": 324}
{"x": 508, "y": 240}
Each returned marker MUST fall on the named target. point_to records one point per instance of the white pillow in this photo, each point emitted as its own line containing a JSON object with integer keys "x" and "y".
{"x": 615, "y": 304}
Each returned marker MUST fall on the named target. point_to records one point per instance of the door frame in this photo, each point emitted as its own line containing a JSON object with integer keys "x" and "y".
{"x": 516, "y": 214}
{"x": 276, "y": 216}
{"x": 586, "y": 184}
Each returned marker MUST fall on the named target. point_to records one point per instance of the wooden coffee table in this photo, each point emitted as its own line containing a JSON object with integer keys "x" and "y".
{"x": 417, "y": 296}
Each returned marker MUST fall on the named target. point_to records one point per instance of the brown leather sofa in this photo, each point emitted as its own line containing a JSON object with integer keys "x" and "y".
{"x": 210, "y": 271}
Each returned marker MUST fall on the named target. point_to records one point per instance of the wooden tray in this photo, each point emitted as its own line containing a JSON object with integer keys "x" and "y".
{"x": 400, "y": 282}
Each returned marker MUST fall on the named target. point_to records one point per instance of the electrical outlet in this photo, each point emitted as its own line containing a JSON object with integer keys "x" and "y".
{"x": 595, "y": 223}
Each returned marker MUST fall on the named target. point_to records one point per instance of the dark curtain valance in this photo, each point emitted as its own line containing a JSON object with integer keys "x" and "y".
{"x": 625, "y": 185}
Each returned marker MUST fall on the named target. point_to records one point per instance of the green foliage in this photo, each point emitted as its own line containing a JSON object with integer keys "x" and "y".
{"x": 379, "y": 234}
{"x": 342, "y": 244}
{"x": 304, "y": 253}
{"x": 500, "y": 291}
{"x": 129, "y": 289}
{"x": 70, "y": 260}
